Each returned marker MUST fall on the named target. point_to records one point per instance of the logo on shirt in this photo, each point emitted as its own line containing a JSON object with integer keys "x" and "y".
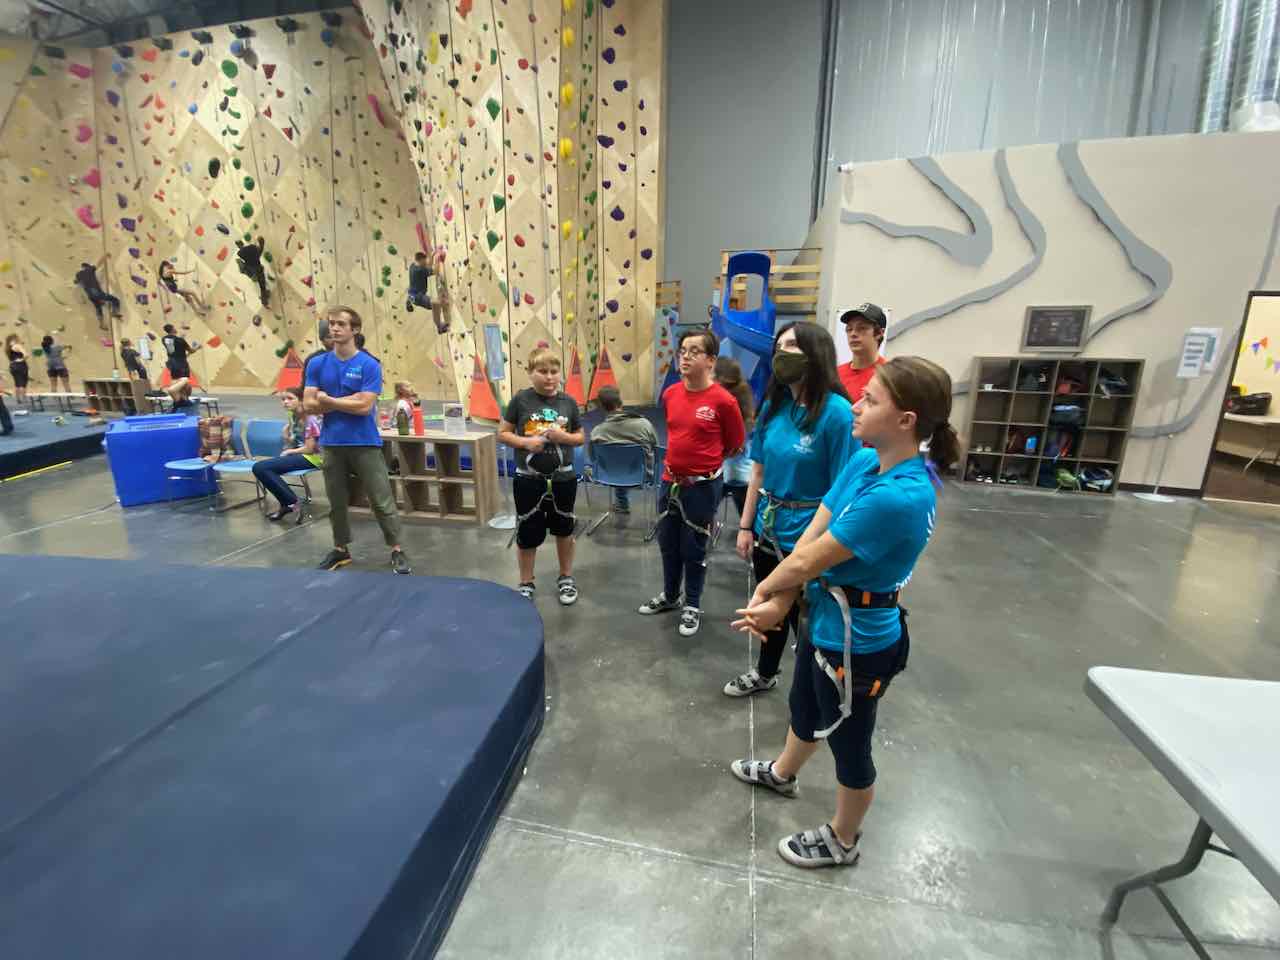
{"x": 706, "y": 413}
{"x": 541, "y": 421}
{"x": 804, "y": 445}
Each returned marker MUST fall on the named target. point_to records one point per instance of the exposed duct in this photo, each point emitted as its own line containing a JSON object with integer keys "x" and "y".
{"x": 1222, "y": 44}
{"x": 1255, "y": 94}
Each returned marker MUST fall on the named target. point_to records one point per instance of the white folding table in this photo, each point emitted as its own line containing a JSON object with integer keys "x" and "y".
{"x": 1267, "y": 424}
{"x": 1215, "y": 740}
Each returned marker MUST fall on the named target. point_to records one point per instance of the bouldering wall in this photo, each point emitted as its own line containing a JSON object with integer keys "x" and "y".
{"x": 50, "y": 206}
{"x": 175, "y": 150}
{"x": 533, "y": 125}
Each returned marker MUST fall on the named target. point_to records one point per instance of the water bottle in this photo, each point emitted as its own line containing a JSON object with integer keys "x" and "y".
{"x": 402, "y": 422}
{"x": 419, "y": 428}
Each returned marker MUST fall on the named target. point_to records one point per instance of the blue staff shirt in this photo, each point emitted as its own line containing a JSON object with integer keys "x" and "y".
{"x": 886, "y": 520}
{"x": 344, "y": 378}
{"x": 798, "y": 465}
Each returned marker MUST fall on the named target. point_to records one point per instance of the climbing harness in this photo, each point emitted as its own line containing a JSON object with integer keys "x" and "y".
{"x": 675, "y": 507}
{"x": 768, "y": 539}
{"x": 547, "y": 494}
{"x": 860, "y": 685}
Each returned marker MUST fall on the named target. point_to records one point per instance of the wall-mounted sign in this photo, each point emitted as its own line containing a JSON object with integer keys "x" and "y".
{"x": 1214, "y": 337}
{"x": 1055, "y": 329}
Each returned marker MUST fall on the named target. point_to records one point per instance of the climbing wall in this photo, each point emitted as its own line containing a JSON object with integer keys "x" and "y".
{"x": 175, "y": 151}
{"x": 506, "y": 108}
{"x": 50, "y": 205}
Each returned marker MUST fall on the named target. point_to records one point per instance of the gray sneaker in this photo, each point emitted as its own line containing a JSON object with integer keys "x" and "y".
{"x": 690, "y": 621}
{"x": 660, "y": 604}
{"x": 759, "y": 773}
{"x": 749, "y": 683}
{"x": 818, "y": 848}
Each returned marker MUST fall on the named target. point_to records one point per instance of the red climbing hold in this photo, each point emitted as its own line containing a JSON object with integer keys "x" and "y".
{"x": 222, "y": 254}
{"x": 288, "y": 132}
{"x": 511, "y": 180}
{"x": 268, "y": 70}
{"x": 149, "y": 54}
{"x": 267, "y": 112}
{"x": 519, "y": 240}
{"x": 528, "y": 298}
{"x": 522, "y": 63}
{"x": 306, "y": 281}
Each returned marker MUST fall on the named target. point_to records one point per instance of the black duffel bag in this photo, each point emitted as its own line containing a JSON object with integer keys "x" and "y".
{"x": 1250, "y": 405}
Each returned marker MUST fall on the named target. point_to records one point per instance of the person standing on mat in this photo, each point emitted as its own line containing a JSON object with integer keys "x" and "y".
{"x": 864, "y": 327}
{"x": 249, "y": 257}
{"x": 55, "y": 364}
{"x": 301, "y": 452}
{"x": 16, "y": 354}
{"x": 178, "y": 350}
{"x": 133, "y": 367}
{"x": 87, "y": 280}
{"x": 343, "y": 387}
{"x": 541, "y": 424}
{"x": 852, "y": 561}
{"x": 802, "y": 443}
{"x": 704, "y": 425}
{"x": 623, "y": 426}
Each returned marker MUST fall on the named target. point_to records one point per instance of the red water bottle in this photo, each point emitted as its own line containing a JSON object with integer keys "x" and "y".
{"x": 418, "y": 427}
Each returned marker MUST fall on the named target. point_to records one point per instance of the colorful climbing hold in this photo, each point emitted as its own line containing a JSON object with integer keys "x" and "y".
{"x": 566, "y": 148}
{"x": 519, "y": 240}
{"x": 268, "y": 70}
{"x": 492, "y": 239}
{"x": 80, "y": 70}
{"x": 84, "y": 133}
{"x": 248, "y": 183}
{"x": 608, "y": 55}
{"x": 229, "y": 69}
{"x": 192, "y": 109}
{"x": 566, "y": 37}
{"x": 215, "y": 167}
{"x": 246, "y": 211}
{"x": 235, "y": 162}
{"x": 86, "y": 216}
{"x": 566, "y": 229}
{"x": 493, "y": 107}
{"x": 448, "y": 213}
{"x": 499, "y": 201}
{"x": 566, "y": 94}
{"x": 604, "y": 140}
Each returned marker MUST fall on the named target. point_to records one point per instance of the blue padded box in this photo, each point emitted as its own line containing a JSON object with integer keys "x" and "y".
{"x": 139, "y": 447}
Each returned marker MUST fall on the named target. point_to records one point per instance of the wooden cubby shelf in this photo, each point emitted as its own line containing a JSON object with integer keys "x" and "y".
{"x": 443, "y": 492}
{"x": 1016, "y": 439}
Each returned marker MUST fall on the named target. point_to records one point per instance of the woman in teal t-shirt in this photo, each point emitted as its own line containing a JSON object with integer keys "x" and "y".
{"x": 853, "y": 559}
{"x": 802, "y": 441}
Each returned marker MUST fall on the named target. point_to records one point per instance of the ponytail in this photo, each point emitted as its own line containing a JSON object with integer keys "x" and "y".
{"x": 944, "y": 446}
{"x": 924, "y": 388}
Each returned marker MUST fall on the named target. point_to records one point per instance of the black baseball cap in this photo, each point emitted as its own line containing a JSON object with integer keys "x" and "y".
{"x": 867, "y": 311}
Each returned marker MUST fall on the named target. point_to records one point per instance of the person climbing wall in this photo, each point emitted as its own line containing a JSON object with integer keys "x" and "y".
{"x": 87, "y": 280}
{"x": 249, "y": 257}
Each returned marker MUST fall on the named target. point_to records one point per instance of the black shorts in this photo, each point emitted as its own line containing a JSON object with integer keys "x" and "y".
{"x": 21, "y": 375}
{"x": 527, "y": 491}
{"x": 815, "y": 705}
{"x": 178, "y": 369}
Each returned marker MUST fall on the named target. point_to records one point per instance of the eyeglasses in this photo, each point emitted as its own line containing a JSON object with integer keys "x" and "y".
{"x": 692, "y": 353}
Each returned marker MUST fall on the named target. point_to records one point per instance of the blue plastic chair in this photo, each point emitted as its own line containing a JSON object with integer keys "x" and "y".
{"x": 263, "y": 439}
{"x": 615, "y": 465}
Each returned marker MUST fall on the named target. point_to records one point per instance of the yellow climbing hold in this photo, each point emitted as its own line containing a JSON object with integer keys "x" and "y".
{"x": 567, "y": 229}
{"x": 566, "y": 94}
{"x": 433, "y": 48}
{"x": 568, "y": 317}
{"x": 582, "y": 235}
{"x": 6, "y": 266}
{"x": 38, "y": 174}
{"x": 6, "y": 54}
{"x": 566, "y": 37}
{"x": 568, "y": 6}
{"x": 566, "y": 148}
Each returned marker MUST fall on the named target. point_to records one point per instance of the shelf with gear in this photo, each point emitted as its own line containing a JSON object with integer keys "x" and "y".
{"x": 1050, "y": 424}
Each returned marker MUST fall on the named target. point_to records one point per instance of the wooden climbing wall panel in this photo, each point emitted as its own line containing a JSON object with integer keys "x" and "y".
{"x": 307, "y": 150}
{"x": 536, "y": 130}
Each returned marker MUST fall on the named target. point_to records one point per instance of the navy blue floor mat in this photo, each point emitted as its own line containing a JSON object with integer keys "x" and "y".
{"x": 206, "y": 762}
{"x": 37, "y": 442}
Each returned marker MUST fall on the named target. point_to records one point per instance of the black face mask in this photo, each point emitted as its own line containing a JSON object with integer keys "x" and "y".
{"x": 789, "y": 368}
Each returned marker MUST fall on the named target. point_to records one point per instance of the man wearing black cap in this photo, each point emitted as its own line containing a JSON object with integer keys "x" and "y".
{"x": 864, "y": 326}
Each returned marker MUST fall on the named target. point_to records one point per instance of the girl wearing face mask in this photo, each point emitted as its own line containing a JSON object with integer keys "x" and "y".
{"x": 802, "y": 440}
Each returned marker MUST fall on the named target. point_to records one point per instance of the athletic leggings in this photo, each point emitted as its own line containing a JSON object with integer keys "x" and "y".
{"x": 684, "y": 550}
{"x": 775, "y": 641}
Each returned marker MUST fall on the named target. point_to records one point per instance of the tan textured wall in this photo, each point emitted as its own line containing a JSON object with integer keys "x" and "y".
{"x": 536, "y": 131}
{"x": 1206, "y": 203}
{"x": 297, "y": 134}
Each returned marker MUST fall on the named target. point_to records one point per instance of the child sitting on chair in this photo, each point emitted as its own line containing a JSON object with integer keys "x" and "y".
{"x": 541, "y": 424}
{"x": 302, "y": 452}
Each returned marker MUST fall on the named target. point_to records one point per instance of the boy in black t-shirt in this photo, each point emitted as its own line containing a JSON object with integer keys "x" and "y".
{"x": 541, "y": 424}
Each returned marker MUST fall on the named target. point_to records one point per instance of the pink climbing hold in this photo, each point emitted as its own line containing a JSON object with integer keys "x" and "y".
{"x": 80, "y": 70}
{"x": 84, "y": 133}
{"x": 377, "y": 110}
{"x": 85, "y": 214}
{"x": 448, "y": 213}
{"x": 528, "y": 298}
{"x": 93, "y": 178}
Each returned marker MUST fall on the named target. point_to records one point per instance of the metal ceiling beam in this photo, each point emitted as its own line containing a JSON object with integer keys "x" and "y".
{"x": 158, "y": 11}
{"x": 58, "y": 8}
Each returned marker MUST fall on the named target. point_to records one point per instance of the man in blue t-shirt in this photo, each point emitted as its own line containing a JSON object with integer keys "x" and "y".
{"x": 343, "y": 386}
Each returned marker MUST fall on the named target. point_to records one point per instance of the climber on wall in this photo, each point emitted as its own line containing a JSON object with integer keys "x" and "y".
{"x": 87, "y": 280}
{"x": 249, "y": 257}
{"x": 169, "y": 279}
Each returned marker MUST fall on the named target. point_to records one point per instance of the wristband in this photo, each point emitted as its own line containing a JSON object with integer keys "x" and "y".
{"x": 746, "y": 529}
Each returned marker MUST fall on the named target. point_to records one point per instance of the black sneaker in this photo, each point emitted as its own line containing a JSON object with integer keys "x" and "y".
{"x": 280, "y": 514}
{"x": 335, "y": 559}
{"x": 400, "y": 563}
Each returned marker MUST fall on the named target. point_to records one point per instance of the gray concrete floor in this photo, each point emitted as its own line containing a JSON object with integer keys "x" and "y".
{"x": 1007, "y": 804}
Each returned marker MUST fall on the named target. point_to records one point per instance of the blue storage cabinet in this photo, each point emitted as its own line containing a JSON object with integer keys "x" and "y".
{"x": 139, "y": 447}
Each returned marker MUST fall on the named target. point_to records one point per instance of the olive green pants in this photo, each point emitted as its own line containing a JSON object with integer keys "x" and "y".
{"x": 369, "y": 467}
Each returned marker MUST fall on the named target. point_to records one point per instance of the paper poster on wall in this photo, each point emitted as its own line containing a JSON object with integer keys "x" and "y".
{"x": 1191, "y": 362}
{"x": 1214, "y": 337}
{"x": 495, "y": 363}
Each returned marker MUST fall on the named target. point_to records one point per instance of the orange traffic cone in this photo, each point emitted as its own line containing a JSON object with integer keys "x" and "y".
{"x": 483, "y": 406}
{"x": 573, "y": 385}
{"x": 603, "y": 376}
{"x": 291, "y": 373}
{"x": 166, "y": 378}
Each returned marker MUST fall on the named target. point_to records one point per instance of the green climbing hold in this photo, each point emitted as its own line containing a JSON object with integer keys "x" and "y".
{"x": 235, "y": 162}
{"x": 231, "y": 91}
{"x": 492, "y": 238}
{"x": 590, "y": 7}
{"x": 591, "y": 198}
{"x": 493, "y": 57}
{"x": 493, "y": 312}
{"x": 37, "y": 72}
{"x": 248, "y": 183}
{"x": 590, "y": 273}
{"x": 267, "y": 257}
{"x": 377, "y": 234}
{"x": 499, "y": 201}
{"x": 234, "y": 114}
{"x": 502, "y": 285}
{"x": 246, "y": 211}
{"x": 229, "y": 69}
{"x": 391, "y": 249}
{"x": 493, "y": 107}
{"x": 378, "y": 292}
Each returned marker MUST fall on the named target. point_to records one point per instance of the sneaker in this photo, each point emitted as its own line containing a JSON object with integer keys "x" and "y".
{"x": 749, "y": 683}
{"x": 400, "y": 563}
{"x": 280, "y": 514}
{"x": 818, "y": 848}
{"x": 690, "y": 621}
{"x": 759, "y": 773}
{"x": 408, "y": 305}
{"x": 526, "y": 590}
{"x": 660, "y": 604}
{"x": 568, "y": 590}
{"x": 335, "y": 558}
